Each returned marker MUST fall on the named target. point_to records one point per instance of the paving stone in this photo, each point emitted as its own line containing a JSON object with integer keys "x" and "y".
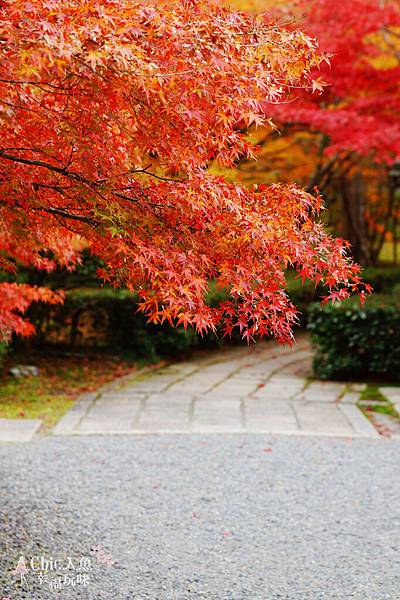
{"x": 195, "y": 385}
{"x": 70, "y": 421}
{"x": 111, "y": 416}
{"x": 373, "y": 402}
{"x": 151, "y": 385}
{"x": 159, "y": 419}
{"x": 263, "y": 406}
{"x": 169, "y": 397}
{"x": 181, "y": 369}
{"x": 217, "y": 416}
{"x": 127, "y": 400}
{"x": 287, "y": 376}
{"x": 391, "y": 393}
{"x": 358, "y": 421}
{"x": 321, "y": 417}
{"x": 281, "y": 388}
{"x": 301, "y": 368}
{"x": 357, "y": 387}
{"x": 223, "y": 368}
{"x": 269, "y": 417}
{"x": 18, "y": 430}
{"x": 274, "y": 396}
{"x": 233, "y": 387}
{"x": 386, "y": 425}
{"x": 350, "y": 398}
{"x": 256, "y": 376}
{"x": 323, "y": 386}
{"x": 218, "y": 426}
{"x": 123, "y": 392}
{"x": 328, "y": 397}
{"x": 275, "y": 425}
{"x": 319, "y": 391}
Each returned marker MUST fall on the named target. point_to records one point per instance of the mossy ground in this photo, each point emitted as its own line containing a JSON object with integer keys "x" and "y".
{"x": 373, "y": 400}
{"x": 50, "y": 394}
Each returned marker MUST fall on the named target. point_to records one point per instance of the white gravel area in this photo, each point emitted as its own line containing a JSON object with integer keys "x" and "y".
{"x": 216, "y": 517}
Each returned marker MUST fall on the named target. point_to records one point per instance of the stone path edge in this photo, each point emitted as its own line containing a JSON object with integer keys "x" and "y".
{"x": 76, "y": 413}
{"x": 18, "y": 430}
{"x": 81, "y": 406}
{"x": 273, "y": 434}
{"x": 358, "y": 420}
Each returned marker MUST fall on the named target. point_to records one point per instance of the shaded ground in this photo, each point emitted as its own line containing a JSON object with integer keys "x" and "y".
{"x": 61, "y": 379}
{"x": 221, "y": 517}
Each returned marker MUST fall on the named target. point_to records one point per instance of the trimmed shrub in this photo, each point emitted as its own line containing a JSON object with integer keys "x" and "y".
{"x": 107, "y": 319}
{"x": 384, "y": 280}
{"x": 352, "y": 342}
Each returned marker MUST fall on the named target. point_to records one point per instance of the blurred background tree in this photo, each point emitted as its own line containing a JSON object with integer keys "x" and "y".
{"x": 345, "y": 138}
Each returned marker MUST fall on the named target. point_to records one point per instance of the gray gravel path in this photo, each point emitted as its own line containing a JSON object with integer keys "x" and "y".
{"x": 223, "y": 517}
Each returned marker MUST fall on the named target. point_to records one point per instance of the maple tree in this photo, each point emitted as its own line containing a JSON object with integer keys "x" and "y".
{"x": 354, "y": 120}
{"x": 110, "y": 115}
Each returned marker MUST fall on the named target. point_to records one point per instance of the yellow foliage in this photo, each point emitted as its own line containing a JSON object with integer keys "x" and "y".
{"x": 389, "y": 44}
{"x": 256, "y": 6}
{"x": 282, "y": 158}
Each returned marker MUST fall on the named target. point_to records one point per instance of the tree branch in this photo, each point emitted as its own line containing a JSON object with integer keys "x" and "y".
{"x": 146, "y": 172}
{"x": 63, "y": 213}
{"x": 41, "y": 163}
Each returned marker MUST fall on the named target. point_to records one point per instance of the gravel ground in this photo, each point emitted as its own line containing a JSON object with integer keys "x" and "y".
{"x": 204, "y": 517}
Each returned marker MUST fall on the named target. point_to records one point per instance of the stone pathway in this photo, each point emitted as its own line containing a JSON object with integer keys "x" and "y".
{"x": 261, "y": 389}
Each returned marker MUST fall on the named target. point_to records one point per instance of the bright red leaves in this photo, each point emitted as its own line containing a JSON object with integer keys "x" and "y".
{"x": 110, "y": 113}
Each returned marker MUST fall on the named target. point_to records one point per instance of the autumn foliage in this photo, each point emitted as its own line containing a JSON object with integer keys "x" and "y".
{"x": 110, "y": 115}
{"x": 359, "y": 108}
{"x": 345, "y": 137}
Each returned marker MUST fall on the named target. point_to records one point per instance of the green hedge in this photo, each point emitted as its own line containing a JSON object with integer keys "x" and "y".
{"x": 107, "y": 319}
{"x": 384, "y": 280}
{"x": 351, "y": 342}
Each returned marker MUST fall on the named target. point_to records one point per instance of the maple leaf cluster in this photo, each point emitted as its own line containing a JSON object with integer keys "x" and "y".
{"x": 359, "y": 108}
{"x": 15, "y": 299}
{"x": 110, "y": 114}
